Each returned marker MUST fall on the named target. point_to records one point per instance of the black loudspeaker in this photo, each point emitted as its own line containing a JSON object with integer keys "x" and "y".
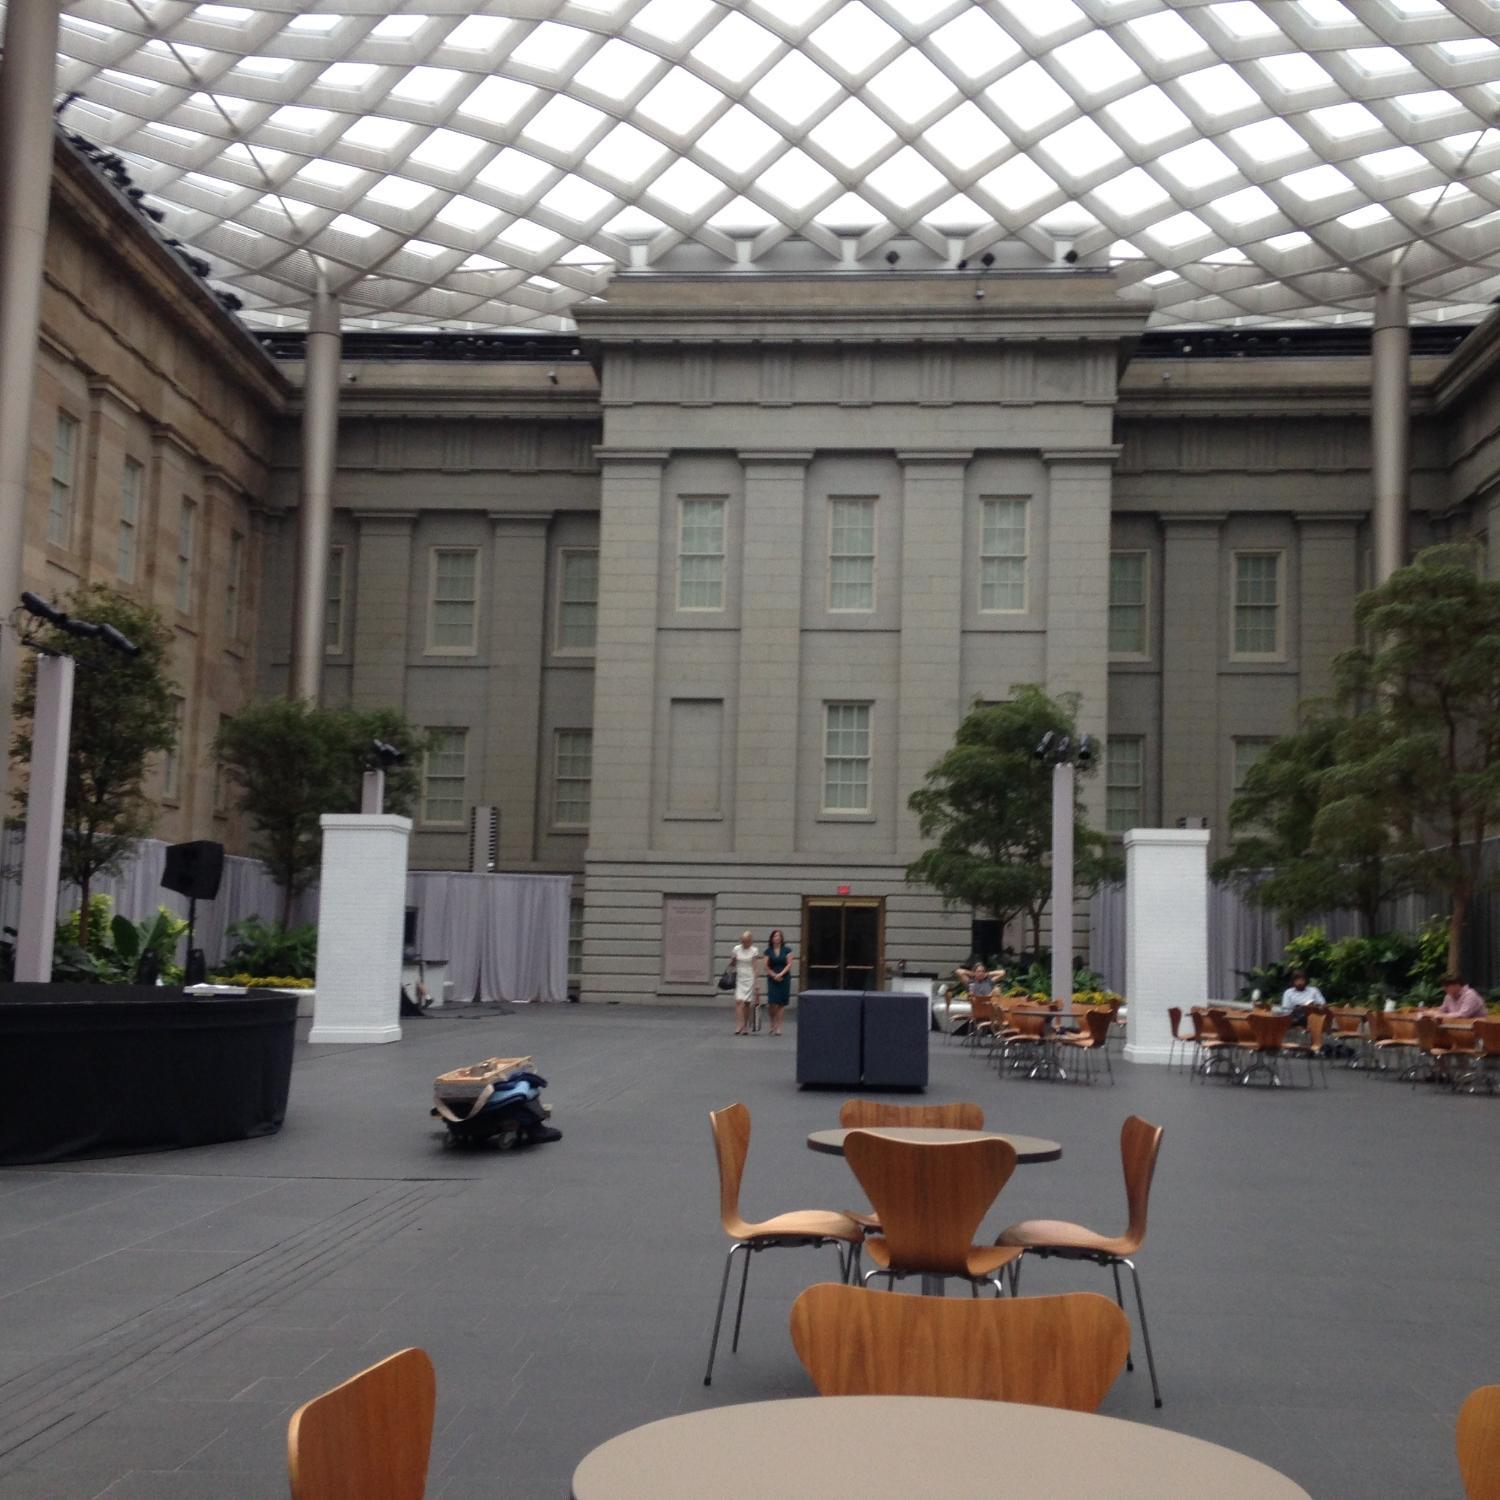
{"x": 195, "y": 869}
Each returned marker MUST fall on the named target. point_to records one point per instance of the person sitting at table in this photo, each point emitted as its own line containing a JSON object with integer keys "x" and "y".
{"x": 1460, "y": 1000}
{"x": 980, "y": 981}
{"x": 1299, "y": 997}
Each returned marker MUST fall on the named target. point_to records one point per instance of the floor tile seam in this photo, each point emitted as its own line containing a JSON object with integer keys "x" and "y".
{"x": 73, "y": 1213}
{"x": 185, "y": 1330}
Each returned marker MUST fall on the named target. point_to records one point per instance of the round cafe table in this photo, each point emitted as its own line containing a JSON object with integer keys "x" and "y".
{"x": 1029, "y": 1148}
{"x": 897, "y": 1447}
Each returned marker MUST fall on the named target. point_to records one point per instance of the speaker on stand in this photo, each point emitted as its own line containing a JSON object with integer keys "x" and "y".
{"x": 194, "y": 870}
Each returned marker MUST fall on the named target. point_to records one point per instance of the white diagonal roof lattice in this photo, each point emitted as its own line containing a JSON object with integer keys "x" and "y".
{"x": 483, "y": 164}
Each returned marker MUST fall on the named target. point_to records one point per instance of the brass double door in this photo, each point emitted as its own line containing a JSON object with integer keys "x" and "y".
{"x": 843, "y": 942}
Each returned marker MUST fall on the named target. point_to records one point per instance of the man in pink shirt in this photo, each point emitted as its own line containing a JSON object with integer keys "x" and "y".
{"x": 1460, "y": 1000}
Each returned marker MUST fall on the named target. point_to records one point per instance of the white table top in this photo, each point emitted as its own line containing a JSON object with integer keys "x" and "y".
{"x": 903, "y": 1447}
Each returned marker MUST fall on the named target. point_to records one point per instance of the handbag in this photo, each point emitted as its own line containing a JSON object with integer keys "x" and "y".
{"x": 727, "y": 978}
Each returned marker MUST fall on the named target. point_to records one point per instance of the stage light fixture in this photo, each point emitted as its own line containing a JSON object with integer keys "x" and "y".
{"x": 387, "y": 755}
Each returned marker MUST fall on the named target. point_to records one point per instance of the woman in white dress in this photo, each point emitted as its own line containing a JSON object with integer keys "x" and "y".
{"x": 746, "y": 958}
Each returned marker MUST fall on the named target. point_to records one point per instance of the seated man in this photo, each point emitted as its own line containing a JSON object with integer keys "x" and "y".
{"x": 979, "y": 980}
{"x": 1302, "y": 995}
{"x": 1460, "y": 1000}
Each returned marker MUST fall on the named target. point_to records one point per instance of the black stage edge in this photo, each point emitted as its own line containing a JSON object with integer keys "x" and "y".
{"x": 97, "y": 1069}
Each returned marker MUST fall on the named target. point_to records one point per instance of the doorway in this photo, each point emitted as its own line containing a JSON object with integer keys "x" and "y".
{"x": 843, "y": 942}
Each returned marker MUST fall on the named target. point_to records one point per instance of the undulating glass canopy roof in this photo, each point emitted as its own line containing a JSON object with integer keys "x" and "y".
{"x": 479, "y": 164}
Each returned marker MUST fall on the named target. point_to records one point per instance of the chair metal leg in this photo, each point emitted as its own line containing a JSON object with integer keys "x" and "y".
{"x": 1109, "y": 1068}
{"x": 1114, "y": 1267}
{"x": 734, "y": 1343}
{"x": 1140, "y": 1308}
{"x": 719, "y": 1315}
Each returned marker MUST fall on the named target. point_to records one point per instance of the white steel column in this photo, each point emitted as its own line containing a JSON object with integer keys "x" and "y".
{"x": 27, "y": 83}
{"x": 320, "y": 434}
{"x": 1166, "y": 934}
{"x": 1390, "y": 427}
{"x": 1062, "y": 881}
{"x": 46, "y": 793}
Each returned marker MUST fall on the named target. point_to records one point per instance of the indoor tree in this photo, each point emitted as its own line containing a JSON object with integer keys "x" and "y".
{"x": 986, "y": 807}
{"x": 123, "y": 713}
{"x": 290, "y": 762}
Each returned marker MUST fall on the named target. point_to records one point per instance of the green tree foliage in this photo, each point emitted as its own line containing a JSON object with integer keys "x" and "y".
{"x": 122, "y": 715}
{"x": 1430, "y": 675}
{"x": 291, "y": 762}
{"x": 987, "y": 808}
{"x": 1306, "y": 840}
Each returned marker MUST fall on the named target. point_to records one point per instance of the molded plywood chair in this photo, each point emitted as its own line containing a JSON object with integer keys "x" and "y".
{"x": 369, "y": 1438}
{"x": 1140, "y": 1144}
{"x": 1191, "y": 1039}
{"x": 1263, "y": 1054}
{"x": 871, "y": 1114}
{"x": 1487, "y": 1035}
{"x": 1312, "y": 1048}
{"x": 931, "y": 1199}
{"x": 816, "y": 1227}
{"x": 1044, "y": 1351}
{"x": 1478, "y": 1440}
{"x": 1092, "y": 1041}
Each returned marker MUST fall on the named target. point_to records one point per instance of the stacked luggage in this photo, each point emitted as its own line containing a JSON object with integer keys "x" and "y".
{"x": 495, "y": 1101}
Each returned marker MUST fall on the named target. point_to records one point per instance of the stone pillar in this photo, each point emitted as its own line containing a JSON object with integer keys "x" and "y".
{"x": 27, "y": 80}
{"x": 1195, "y": 607}
{"x": 1078, "y": 520}
{"x": 630, "y": 505}
{"x": 932, "y": 567}
{"x": 320, "y": 436}
{"x": 1390, "y": 427}
{"x": 361, "y": 909}
{"x": 518, "y": 564}
{"x": 1326, "y": 572}
{"x": 1166, "y": 934}
{"x": 47, "y": 788}
{"x": 770, "y": 651}
{"x": 381, "y": 579}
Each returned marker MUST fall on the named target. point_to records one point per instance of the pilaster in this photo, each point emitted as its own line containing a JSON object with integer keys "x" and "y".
{"x": 1193, "y": 604}
{"x": 1326, "y": 572}
{"x": 382, "y": 607}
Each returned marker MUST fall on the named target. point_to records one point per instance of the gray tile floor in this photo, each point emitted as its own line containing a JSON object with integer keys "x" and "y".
{"x": 1320, "y": 1271}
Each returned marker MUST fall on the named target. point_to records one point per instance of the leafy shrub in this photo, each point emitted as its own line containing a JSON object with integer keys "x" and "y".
{"x": 116, "y": 946}
{"x": 264, "y": 949}
{"x": 1403, "y": 966}
{"x": 263, "y": 981}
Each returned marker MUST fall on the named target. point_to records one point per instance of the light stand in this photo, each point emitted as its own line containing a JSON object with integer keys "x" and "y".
{"x": 1063, "y": 754}
{"x": 372, "y": 789}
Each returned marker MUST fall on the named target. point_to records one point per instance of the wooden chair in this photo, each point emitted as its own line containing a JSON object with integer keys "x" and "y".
{"x": 1263, "y": 1054}
{"x": 1478, "y": 1441}
{"x": 808, "y": 1227}
{"x": 1221, "y": 1047}
{"x": 1440, "y": 1046}
{"x": 1091, "y": 1042}
{"x": 1487, "y": 1035}
{"x": 871, "y": 1114}
{"x": 1192, "y": 1039}
{"x": 369, "y": 1438}
{"x": 1140, "y": 1144}
{"x": 1043, "y": 1351}
{"x": 931, "y": 1199}
{"x": 1312, "y": 1048}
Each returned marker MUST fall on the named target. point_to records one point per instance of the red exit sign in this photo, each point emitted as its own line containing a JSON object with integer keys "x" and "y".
{"x": 843, "y": 890}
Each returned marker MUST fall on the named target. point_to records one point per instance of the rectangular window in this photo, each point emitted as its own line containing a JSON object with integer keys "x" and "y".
{"x": 1127, "y": 604}
{"x": 575, "y": 940}
{"x": 846, "y": 758}
{"x": 64, "y": 465}
{"x": 1002, "y": 556}
{"x": 1257, "y": 603}
{"x": 578, "y": 600}
{"x": 187, "y": 524}
{"x": 132, "y": 488}
{"x": 171, "y": 761}
{"x": 453, "y": 619}
{"x": 700, "y": 555}
{"x": 1246, "y": 752}
{"x": 851, "y": 554}
{"x": 443, "y": 797}
{"x": 333, "y": 603}
{"x": 572, "y": 778}
{"x": 1124, "y": 783}
{"x": 232, "y": 577}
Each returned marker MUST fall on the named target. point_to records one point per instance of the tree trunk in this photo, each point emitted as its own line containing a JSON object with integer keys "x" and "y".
{"x": 83, "y": 913}
{"x": 1457, "y": 920}
{"x": 286, "y": 907}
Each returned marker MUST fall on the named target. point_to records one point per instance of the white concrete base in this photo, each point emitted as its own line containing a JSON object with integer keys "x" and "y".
{"x": 1166, "y": 934}
{"x": 361, "y": 910}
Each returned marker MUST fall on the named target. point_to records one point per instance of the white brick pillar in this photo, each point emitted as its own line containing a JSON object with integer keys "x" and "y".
{"x": 361, "y": 905}
{"x": 1166, "y": 934}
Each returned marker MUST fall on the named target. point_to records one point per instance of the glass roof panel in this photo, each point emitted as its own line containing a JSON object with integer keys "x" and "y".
{"x": 511, "y": 154}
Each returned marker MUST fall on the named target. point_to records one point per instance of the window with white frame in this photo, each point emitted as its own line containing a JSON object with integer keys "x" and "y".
{"x": 1247, "y": 751}
{"x": 187, "y": 532}
{"x": 1124, "y": 782}
{"x": 233, "y": 576}
{"x": 700, "y": 554}
{"x": 453, "y": 614}
{"x": 132, "y": 491}
{"x": 846, "y": 758}
{"x": 64, "y": 467}
{"x": 333, "y": 603}
{"x": 443, "y": 776}
{"x": 851, "y": 553}
{"x": 575, "y": 940}
{"x": 1002, "y": 556}
{"x": 171, "y": 761}
{"x": 578, "y": 599}
{"x": 1257, "y": 603}
{"x": 1127, "y": 603}
{"x": 572, "y": 778}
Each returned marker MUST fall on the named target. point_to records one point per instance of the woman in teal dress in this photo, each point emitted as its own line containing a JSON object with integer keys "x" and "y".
{"x": 778, "y": 962}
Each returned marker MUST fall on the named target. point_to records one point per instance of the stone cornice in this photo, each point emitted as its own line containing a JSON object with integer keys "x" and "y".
{"x": 1106, "y": 453}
